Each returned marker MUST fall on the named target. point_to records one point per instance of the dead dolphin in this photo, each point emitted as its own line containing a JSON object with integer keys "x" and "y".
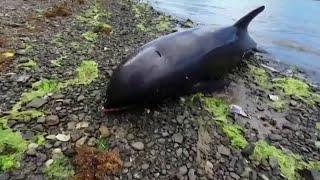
{"x": 173, "y": 64}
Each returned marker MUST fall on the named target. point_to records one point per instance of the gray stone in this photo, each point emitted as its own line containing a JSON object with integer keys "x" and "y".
{"x": 137, "y": 145}
{"x": 223, "y": 150}
{"x": 275, "y": 137}
{"x": 37, "y": 103}
{"x": 293, "y": 103}
{"x": 23, "y": 78}
{"x": 234, "y": 175}
{"x": 248, "y": 150}
{"x": 80, "y": 98}
{"x": 52, "y": 120}
{"x": 42, "y": 119}
{"x": 4, "y": 176}
{"x": 191, "y": 174}
{"x": 183, "y": 170}
{"x": 127, "y": 164}
{"x": 145, "y": 166}
{"x": 273, "y": 161}
{"x": 179, "y": 152}
{"x": 178, "y": 138}
{"x": 71, "y": 125}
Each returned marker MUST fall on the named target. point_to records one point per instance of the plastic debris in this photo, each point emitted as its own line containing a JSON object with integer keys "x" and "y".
{"x": 238, "y": 110}
{"x": 274, "y": 97}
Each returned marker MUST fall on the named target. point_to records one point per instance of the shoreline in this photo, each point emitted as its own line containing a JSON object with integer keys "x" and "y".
{"x": 56, "y": 71}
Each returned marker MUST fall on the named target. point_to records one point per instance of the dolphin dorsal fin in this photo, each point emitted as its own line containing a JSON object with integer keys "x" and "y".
{"x": 245, "y": 20}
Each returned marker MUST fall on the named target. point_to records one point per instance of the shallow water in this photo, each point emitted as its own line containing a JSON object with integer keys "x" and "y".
{"x": 289, "y": 30}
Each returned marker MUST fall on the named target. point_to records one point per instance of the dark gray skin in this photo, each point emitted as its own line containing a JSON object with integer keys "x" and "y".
{"x": 174, "y": 64}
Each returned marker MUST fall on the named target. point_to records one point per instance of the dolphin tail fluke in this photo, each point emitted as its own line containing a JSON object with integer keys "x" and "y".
{"x": 244, "y": 21}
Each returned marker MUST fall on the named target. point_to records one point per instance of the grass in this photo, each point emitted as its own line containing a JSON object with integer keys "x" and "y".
{"x": 102, "y": 144}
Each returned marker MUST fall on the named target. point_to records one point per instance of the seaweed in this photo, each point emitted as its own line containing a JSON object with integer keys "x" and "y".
{"x": 94, "y": 164}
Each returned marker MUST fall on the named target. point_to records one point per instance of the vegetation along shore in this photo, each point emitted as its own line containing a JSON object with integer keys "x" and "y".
{"x": 56, "y": 58}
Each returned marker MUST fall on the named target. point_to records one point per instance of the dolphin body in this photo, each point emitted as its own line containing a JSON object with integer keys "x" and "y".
{"x": 173, "y": 64}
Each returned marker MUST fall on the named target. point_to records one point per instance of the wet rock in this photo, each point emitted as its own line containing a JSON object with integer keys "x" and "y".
{"x": 178, "y": 138}
{"x": 223, "y": 150}
{"x": 273, "y": 161}
{"x": 248, "y": 150}
{"x": 23, "y": 78}
{"x": 81, "y": 98}
{"x": 275, "y": 137}
{"x": 137, "y": 145}
{"x": 42, "y": 119}
{"x": 52, "y": 120}
{"x": 234, "y": 175}
{"x": 310, "y": 174}
{"x": 69, "y": 152}
{"x": 4, "y": 176}
{"x": 36, "y": 103}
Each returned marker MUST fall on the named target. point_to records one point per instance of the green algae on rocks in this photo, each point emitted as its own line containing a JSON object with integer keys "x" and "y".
{"x": 218, "y": 106}
{"x": 86, "y": 73}
{"x": 12, "y": 146}
{"x": 20, "y": 116}
{"x": 90, "y": 36}
{"x": 297, "y": 88}
{"x": 259, "y": 75}
{"x": 289, "y": 163}
{"x": 236, "y": 135}
{"x": 30, "y": 64}
{"x": 59, "y": 169}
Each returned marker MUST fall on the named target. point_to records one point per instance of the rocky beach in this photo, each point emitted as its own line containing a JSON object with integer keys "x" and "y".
{"x": 55, "y": 61}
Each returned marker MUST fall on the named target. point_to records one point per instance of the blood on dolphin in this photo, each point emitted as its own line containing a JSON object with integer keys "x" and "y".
{"x": 173, "y": 64}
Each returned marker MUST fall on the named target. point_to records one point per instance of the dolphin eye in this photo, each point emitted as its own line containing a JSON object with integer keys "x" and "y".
{"x": 158, "y": 53}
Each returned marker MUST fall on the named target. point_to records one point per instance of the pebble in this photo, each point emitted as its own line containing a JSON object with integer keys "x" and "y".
{"x": 48, "y": 162}
{"x": 183, "y": 170}
{"x": 52, "y": 120}
{"x": 275, "y": 137}
{"x": 80, "y": 98}
{"x": 178, "y": 138}
{"x": 191, "y": 174}
{"x": 145, "y": 166}
{"x": 63, "y": 137}
{"x": 82, "y": 125}
{"x": 223, "y": 150}
{"x": 234, "y": 175}
{"x": 104, "y": 131}
{"x": 81, "y": 141}
{"x": 137, "y": 145}
{"x": 71, "y": 125}
{"x": 293, "y": 103}
{"x": 92, "y": 141}
{"x": 273, "y": 161}
{"x": 36, "y": 103}
{"x": 42, "y": 119}
{"x": 248, "y": 150}
{"x": 4, "y": 176}
{"x": 179, "y": 152}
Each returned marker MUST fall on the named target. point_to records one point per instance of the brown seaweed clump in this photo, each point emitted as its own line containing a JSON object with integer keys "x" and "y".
{"x": 96, "y": 165}
{"x": 58, "y": 10}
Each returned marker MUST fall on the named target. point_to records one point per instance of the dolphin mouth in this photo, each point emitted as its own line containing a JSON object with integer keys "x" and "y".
{"x": 109, "y": 110}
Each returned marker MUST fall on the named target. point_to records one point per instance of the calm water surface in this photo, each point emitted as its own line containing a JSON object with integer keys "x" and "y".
{"x": 288, "y": 29}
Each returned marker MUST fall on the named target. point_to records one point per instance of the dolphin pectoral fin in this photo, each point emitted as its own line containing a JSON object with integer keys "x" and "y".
{"x": 244, "y": 21}
{"x": 209, "y": 86}
{"x": 260, "y": 50}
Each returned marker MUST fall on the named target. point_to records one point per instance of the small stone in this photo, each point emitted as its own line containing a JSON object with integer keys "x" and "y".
{"x": 42, "y": 119}
{"x": 127, "y": 164}
{"x": 63, "y": 137}
{"x": 248, "y": 150}
{"x": 36, "y": 103}
{"x": 69, "y": 152}
{"x": 273, "y": 161}
{"x": 293, "y": 103}
{"x": 191, "y": 174}
{"x": 48, "y": 162}
{"x": 145, "y": 166}
{"x": 91, "y": 141}
{"x": 310, "y": 174}
{"x": 104, "y": 131}
{"x": 28, "y": 135}
{"x": 81, "y": 141}
{"x": 178, "y": 138}
{"x": 80, "y": 98}
{"x": 52, "y": 120}
{"x": 31, "y": 152}
{"x": 23, "y": 78}
{"x": 223, "y": 150}
{"x": 137, "y": 145}
{"x": 51, "y": 137}
{"x": 179, "y": 152}
{"x": 234, "y": 175}
{"x": 4, "y": 176}
{"x": 82, "y": 125}
{"x": 71, "y": 125}
{"x": 183, "y": 170}
{"x": 275, "y": 137}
